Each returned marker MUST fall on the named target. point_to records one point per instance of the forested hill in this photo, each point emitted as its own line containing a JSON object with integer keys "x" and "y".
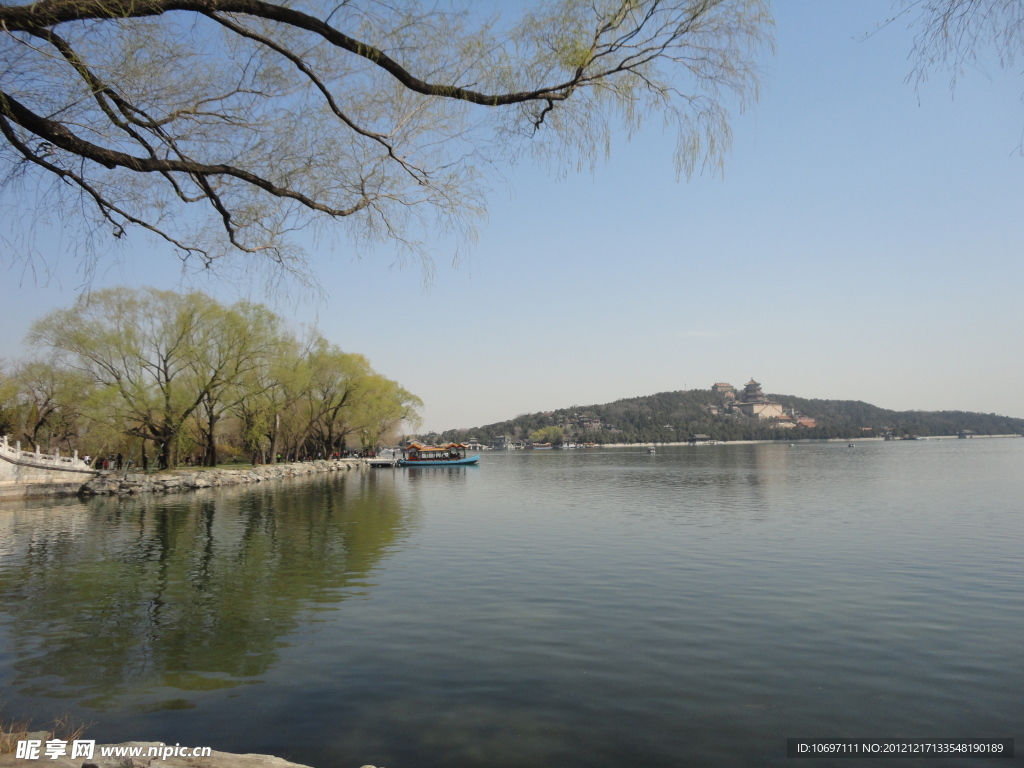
{"x": 675, "y": 416}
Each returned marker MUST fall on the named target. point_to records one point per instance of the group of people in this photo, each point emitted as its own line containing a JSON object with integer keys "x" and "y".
{"x": 107, "y": 462}
{"x": 301, "y": 457}
{"x": 118, "y": 461}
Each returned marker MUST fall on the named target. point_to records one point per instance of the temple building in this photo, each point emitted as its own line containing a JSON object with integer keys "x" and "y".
{"x": 752, "y": 392}
{"x": 754, "y": 403}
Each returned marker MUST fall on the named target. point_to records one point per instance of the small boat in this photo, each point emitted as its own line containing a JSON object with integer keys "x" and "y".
{"x": 651, "y": 450}
{"x": 448, "y": 455}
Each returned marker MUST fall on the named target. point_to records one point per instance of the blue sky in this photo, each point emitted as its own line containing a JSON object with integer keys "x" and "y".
{"x": 864, "y": 243}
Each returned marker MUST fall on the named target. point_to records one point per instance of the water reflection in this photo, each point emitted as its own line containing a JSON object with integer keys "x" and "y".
{"x": 694, "y": 607}
{"x": 196, "y": 592}
{"x": 435, "y": 475}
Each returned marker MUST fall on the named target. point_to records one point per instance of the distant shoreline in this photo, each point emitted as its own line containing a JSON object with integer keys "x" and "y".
{"x": 797, "y": 440}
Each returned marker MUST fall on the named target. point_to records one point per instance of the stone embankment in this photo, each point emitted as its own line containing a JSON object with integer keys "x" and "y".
{"x": 24, "y": 474}
{"x": 112, "y": 482}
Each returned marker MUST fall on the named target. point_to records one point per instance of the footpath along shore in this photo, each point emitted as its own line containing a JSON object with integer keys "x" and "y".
{"x": 112, "y": 482}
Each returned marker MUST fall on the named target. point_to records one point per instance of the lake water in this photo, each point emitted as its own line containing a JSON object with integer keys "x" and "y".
{"x": 560, "y": 608}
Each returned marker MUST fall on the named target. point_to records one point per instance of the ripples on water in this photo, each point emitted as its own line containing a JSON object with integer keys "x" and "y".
{"x": 588, "y": 608}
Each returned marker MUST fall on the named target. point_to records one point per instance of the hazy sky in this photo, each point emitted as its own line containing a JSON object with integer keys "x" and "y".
{"x": 864, "y": 243}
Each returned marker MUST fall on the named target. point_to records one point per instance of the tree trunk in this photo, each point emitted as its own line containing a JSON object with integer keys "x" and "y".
{"x": 211, "y": 443}
{"x": 273, "y": 438}
{"x": 166, "y": 459}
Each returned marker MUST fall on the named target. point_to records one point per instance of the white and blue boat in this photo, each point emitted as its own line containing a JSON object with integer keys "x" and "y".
{"x": 449, "y": 455}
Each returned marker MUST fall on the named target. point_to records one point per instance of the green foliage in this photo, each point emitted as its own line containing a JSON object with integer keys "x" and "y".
{"x": 183, "y": 372}
{"x": 553, "y": 435}
{"x": 51, "y": 402}
{"x": 8, "y": 392}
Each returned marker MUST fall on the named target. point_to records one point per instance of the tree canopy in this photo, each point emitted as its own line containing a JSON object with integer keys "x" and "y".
{"x": 184, "y": 373}
{"x": 224, "y": 126}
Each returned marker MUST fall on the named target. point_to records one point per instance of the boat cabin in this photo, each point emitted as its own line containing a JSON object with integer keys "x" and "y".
{"x": 446, "y": 452}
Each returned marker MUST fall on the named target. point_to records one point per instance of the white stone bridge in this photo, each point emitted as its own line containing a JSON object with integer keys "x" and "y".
{"x": 31, "y": 473}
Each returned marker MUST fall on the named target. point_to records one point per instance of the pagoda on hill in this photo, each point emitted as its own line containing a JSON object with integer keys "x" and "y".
{"x": 755, "y": 404}
{"x": 752, "y": 392}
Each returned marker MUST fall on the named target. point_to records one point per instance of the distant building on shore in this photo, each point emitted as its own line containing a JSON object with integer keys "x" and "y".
{"x": 786, "y": 421}
{"x": 754, "y": 403}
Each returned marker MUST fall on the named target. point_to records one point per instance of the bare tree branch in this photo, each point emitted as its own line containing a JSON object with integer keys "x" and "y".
{"x": 226, "y": 126}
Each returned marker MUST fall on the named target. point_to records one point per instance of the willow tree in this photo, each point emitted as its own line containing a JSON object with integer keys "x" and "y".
{"x": 52, "y": 403}
{"x": 237, "y": 346}
{"x": 384, "y": 405}
{"x": 223, "y": 126}
{"x": 266, "y": 393}
{"x": 8, "y": 395}
{"x": 336, "y": 382}
{"x": 141, "y": 346}
{"x": 955, "y": 35}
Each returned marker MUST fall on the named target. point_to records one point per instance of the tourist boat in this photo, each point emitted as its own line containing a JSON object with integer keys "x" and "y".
{"x": 448, "y": 455}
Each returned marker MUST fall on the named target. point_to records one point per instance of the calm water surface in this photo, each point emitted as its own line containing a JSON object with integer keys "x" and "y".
{"x": 567, "y": 608}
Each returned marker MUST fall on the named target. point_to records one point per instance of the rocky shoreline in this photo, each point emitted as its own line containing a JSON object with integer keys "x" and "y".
{"x": 141, "y": 759}
{"x": 112, "y": 483}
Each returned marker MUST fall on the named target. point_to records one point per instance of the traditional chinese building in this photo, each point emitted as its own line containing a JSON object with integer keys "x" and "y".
{"x": 754, "y": 403}
{"x": 752, "y": 392}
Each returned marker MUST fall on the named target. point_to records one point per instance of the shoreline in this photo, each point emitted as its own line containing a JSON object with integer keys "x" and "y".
{"x": 118, "y": 483}
{"x": 113, "y": 482}
{"x": 798, "y": 440}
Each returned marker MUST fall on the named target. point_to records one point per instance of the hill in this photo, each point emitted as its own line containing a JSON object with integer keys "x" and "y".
{"x": 676, "y": 416}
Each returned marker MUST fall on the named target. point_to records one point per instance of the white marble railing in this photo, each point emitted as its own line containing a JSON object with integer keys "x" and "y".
{"x": 37, "y": 459}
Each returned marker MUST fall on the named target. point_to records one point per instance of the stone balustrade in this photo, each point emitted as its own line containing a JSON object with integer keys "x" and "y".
{"x": 41, "y": 460}
{"x": 25, "y": 474}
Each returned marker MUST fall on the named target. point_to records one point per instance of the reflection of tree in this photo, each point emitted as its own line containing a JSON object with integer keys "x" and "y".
{"x": 188, "y": 592}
